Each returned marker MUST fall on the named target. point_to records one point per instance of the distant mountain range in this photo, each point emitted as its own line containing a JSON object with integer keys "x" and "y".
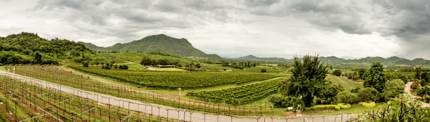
{"x": 156, "y": 43}
{"x": 394, "y": 60}
{"x": 181, "y": 47}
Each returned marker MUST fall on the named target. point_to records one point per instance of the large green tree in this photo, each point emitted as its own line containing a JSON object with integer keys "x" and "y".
{"x": 375, "y": 77}
{"x": 308, "y": 78}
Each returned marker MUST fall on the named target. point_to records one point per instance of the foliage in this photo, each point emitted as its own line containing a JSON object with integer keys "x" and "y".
{"x": 393, "y": 88}
{"x": 18, "y": 48}
{"x": 193, "y": 66}
{"x": 263, "y": 70}
{"x": 239, "y": 65}
{"x": 238, "y": 95}
{"x": 175, "y": 80}
{"x": 368, "y": 104}
{"x": 327, "y": 94}
{"x": 307, "y": 80}
{"x": 403, "y": 109}
{"x": 375, "y": 77}
{"x": 368, "y": 94}
{"x": 337, "y": 72}
{"x": 155, "y": 62}
{"x": 347, "y": 97}
{"x": 330, "y": 107}
{"x": 280, "y": 101}
{"x": 424, "y": 91}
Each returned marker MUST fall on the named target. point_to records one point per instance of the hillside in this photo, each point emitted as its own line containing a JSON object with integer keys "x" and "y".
{"x": 156, "y": 43}
{"x": 26, "y": 48}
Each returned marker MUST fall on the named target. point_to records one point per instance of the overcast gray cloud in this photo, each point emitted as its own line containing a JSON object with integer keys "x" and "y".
{"x": 284, "y": 28}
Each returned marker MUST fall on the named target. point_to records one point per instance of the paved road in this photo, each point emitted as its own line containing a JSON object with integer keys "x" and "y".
{"x": 165, "y": 111}
{"x": 408, "y": 90}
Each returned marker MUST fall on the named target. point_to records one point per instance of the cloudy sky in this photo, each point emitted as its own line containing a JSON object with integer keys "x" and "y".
{"x": 232, "y": 28}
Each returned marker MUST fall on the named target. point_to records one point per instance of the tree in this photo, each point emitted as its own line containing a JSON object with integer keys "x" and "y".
{"x": 375, "y": 77}
{"x": 308, "y": 78}
{"x": 393, "y": 88}
{"x": 37, "y": 58}
{"x": 368, "y": 94}
{"x": 347, "y": 97}
{"x": 263, "y": 70}
{"x": 337, "y": 72}
{"x": 361, "y": 73}
{"x": 424, "y": 91}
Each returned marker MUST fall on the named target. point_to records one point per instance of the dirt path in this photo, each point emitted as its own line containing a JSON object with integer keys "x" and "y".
{"x": 165, "y": 111}
{"x": 408, "y": 91}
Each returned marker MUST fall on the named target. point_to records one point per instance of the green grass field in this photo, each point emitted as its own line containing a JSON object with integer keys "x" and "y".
{"x": 173, "y": 80}
{"x": 347, "y": 84}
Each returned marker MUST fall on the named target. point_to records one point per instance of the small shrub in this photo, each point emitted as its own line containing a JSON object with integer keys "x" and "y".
{"x": 368, "y": 94}
{"x": 280, "y": 101}
{"x": 330, "y": 107}
{"x": 337, "y": 72}
{"x": 263, "y": 70}
{"x": 347, "y": 97}
{"x": 368, "y": 104}
{"x": 123, "y": 67}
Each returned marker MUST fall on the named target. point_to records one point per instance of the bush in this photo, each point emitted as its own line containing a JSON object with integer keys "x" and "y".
{"x": 123, "y": 67}
{"x": 280, "y": 101}
{"x": 368, "y": 104}
{"x": 337, "y": 72}
{"x": 330, "y": 107}
{"x": 263, "y": 70}
{"x": 347, "y": 97}
{"x": 424, "y": 91}
{"x": 393, "y": 88}
{"x": 368, "y": 94}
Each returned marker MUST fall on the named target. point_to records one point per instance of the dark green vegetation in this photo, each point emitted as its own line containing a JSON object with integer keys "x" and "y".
{"x": 308, "y": 80}
{"x": 375, "y": 77}
{"x": 177, "y": 79}
{"x": 29, "y": 48}
{"x": 238, "y": 95}
{"x": 156, "y": 43}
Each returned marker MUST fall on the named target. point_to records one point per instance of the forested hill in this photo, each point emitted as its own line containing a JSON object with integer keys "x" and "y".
{"x": 156, "y": 43}
{"x": 29, "y": 48}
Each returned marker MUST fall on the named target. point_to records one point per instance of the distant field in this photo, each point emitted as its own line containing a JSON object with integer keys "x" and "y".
{"x": 238, "y": 95}
{"x": 342, "y": 81}
{"x": 177, "y": 79}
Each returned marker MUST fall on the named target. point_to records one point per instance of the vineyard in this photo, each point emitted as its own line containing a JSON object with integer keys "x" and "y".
{"x": 33, "y": 103}
{"x": 238, "y": 95}
{"x": 172, "y": 80}
{"x": 59, "y": 76}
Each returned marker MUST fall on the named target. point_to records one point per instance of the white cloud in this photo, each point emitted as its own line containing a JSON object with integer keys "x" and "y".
{"x": 268, "y": 28}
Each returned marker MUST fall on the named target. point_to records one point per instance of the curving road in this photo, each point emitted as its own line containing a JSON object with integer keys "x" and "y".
{"x": 408, "y": 90}
{"x": 169, "y": 112}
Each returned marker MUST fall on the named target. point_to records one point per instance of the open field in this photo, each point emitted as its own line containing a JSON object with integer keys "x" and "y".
{"x": 56, "y": 75}
{"x": 173, "y": 80}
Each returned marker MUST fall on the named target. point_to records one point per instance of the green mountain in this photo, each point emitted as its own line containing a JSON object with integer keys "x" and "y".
{"x": 26, "y": 48}
{"x": 156, "y": 43}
